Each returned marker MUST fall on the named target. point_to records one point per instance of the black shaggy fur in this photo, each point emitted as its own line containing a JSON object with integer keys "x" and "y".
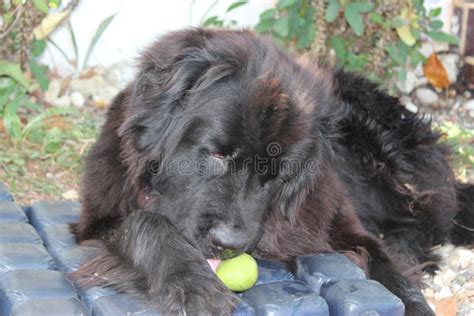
{"x": 225, "y": 144}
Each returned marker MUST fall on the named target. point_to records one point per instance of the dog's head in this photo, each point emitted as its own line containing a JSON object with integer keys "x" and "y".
{"x": 221, "y": 128}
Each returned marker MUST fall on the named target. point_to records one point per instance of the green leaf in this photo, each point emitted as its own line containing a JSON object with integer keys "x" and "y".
{"x": 354, "y": 19}
{"x": 393, "y": 53}
{"x": 339, "y": 45}
{"x": 39, "y": 72}
{"x": 11, "y": 120}
{"x": 402, "y": 74}
{"x": 6, "y": 84}
{"x": 332, "y": 11}
{"x": 436, "y": 24}
{"x": 283, "y": 4}
{"x": 415, "y": 32}
{"x": 38, "y": 121}
{"x": 5, "y": 98}
{"x": 213, "y": 21}
{"x": 307, "y": 38}
{"x": 98, "y": 33}
{"x": 38, "y": 47}
{"x": 418, "y": 4}
{"x": 416, "y": 57}
{"x": 356, "y": 62}
{"x": 362, "y": 7}
{"x": 236, "y": 4}
{"x": 281, "y": 26}
{"x": 264, "y": 25}
{"x": 376, "y": 18}
{"x": 443, "y": 37}
{"x": 13, "y": 71}
{"x": 278, "y": 40}
{"x": 268, "y": 14}
{"x": 435, "y": 12}
{"x": 41, "y": 5}
{"x": 60, "y": 50}
{"x": 398, "y": 21}
{"x": 73, "y": 41}
{"x": 54, "y": 3}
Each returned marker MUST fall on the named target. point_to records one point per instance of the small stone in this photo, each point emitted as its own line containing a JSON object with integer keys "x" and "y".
{"x": 455, "y": 262}
{"x": 404, "y": 99}
{"x": 53, "y": 91}
{"x": 438, "y": 280}
{"x": 465, "y": 257}
{"x": 461, "y": 279}
{"x": 456, "y": 287}
{"x": 88, "y": 87}
{"x": 448, "y": 276}
{"x": 444, "y": 293}
{"x": 410, "y": 106}
{"x": 71, "y": 195}
{"x": 408, "y": 85}
{"x": 63, "y": 101}
{"x": 119, "y": 75}
{"x": 421, "y": 82}
{"x": 428, "y": 292}
{"x": 469, "y": 105}
{"x": 105, "y": 95}
{"x": 427, "y": 96}
{"x": 450, "y": 63}
{"x": 428, "y": 48}
{"x": 419, "y": 70}
{"x": 77, "y": 99}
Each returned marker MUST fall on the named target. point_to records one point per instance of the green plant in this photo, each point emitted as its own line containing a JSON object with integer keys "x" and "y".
{"x": 20, "y": 72}
{"x": 462, "y": 143}
{"x": 220, "y": 21}
{"x": 15, "y": 90}
{"x": 74, "y": 62}
{"x": 381, "y": 38}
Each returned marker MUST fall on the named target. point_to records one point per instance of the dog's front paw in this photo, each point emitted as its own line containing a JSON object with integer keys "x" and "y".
{"x": 189, "y": 294}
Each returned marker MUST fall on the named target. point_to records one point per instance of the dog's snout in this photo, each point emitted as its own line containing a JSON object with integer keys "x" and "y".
{"x": 228, "y": 237}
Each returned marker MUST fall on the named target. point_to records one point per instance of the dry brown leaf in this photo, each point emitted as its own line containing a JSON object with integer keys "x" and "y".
{"x": 65, "y": 85}
{"x": 59, "y": 122}
{"x": 446, "y": 306}
{"x": 435, "y": 72}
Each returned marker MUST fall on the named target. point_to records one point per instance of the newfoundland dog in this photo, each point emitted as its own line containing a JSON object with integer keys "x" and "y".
{"x": 224, "y": 144}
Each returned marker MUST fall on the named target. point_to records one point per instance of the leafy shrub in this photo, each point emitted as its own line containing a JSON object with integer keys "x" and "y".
{"x": 381, "y": 38}
{"x": 26, "y": 27}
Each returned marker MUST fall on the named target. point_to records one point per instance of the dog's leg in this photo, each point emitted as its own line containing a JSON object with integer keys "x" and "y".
{"x": 349, "y": 235}
{"x": 177, "y": 277}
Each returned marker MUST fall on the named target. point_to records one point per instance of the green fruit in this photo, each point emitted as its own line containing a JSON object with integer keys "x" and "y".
{"x": 238, "y": 274}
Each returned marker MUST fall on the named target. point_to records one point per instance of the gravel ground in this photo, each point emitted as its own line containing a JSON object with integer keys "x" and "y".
{"x": 450, "y": 290}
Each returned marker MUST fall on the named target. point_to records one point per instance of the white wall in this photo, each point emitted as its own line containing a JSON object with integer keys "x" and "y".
{"x": 137, "y": 23}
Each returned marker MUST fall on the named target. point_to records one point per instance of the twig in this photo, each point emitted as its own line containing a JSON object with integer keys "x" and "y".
{"x": 18, "y": 11}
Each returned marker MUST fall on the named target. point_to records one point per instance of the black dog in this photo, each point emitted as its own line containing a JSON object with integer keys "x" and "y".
{"x": 225, "y": 144}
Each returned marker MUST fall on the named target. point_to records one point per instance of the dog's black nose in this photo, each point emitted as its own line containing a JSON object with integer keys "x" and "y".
{"x": 228, "y": 237}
